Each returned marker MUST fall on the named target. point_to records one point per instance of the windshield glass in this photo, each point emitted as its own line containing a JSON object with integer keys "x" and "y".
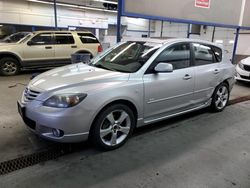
{"x": 127, "y": 57}
{"x": 16, "y": 37}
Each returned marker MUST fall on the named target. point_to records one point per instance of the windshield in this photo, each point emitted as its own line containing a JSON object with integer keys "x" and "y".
{"x": 127, "y": 57}
{"x": 16, "y": 37}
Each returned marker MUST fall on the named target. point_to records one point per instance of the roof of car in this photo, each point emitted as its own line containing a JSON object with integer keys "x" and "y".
{"x": 172, "y": 40}
{"x": 46, "y": 31}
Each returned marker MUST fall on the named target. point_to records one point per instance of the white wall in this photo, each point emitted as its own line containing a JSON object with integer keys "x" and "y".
{"x": 244, "y": 44}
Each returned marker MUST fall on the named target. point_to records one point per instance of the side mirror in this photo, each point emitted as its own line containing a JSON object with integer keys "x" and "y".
{"x": 164, "y": 67}
{"x": 30, "y": 43}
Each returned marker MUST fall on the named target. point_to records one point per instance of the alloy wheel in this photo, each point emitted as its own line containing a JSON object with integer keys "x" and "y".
{"x": 115, "y": 127}
{"x": 221, "y": 97}
{"x": 9, "y": 67}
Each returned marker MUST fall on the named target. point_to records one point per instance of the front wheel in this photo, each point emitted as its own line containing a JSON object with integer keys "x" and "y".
{"x": 112, "y": 127}
{"x": 220, "y": 98}
{"x": 9, "y": 66}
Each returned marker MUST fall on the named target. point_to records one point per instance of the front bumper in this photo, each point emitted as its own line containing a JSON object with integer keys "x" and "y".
{"x": 242, "y": 75}
{"x": 72, "y": 123}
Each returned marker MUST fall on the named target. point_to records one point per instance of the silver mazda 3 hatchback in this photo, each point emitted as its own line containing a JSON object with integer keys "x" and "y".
{"x": 132, "y": 84}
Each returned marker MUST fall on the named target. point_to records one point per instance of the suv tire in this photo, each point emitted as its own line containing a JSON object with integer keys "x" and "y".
{"x": 9, "y": 66}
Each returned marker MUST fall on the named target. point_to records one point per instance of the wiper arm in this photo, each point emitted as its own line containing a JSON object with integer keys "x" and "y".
{"x": 103, "y": 67}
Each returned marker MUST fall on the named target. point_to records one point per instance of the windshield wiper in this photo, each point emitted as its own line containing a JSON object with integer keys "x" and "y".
{"x": 103, "y": 67}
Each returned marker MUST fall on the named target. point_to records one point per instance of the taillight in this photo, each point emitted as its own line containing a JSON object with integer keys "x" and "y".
{"x": 100, "y": 48}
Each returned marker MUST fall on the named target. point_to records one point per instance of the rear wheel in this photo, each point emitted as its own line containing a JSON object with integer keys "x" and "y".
{"x": 112, "y": 127}
{"x": 9, "y": 66}
{"x": 220, "y": 98}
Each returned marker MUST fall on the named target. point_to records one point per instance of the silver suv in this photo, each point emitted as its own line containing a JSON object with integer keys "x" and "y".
{"x": 46, "y": 49}
{"x": 130, "y": 85}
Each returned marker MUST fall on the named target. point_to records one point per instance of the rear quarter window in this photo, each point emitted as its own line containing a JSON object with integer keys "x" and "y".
{"x": 217, "y": 53}
{"x": 88, "y": 38}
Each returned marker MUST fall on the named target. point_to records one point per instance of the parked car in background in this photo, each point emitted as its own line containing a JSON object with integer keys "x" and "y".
{"x": 132, "y": 84}
{"x": 46, "y": 49}
{"x": 14, "y": 38}
{"x": 243, "y": 70}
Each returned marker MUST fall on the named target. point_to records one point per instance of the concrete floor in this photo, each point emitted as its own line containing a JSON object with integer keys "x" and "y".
{"x": 205, "y": 150}
{"x": 202, "y": 150}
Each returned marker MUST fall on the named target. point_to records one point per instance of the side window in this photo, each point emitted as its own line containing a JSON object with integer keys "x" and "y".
{"x": 42, "y": 39}
{"x": 64, "y": 38}
{"x": 88, "y": 38}
{"x": 178, "y": 55}
{"x": 218, "y": 54}
{"x": 203, "y": 54}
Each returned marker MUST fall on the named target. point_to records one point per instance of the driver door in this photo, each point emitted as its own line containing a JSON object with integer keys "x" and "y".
{"x": 39, "y": 49}
{"x": 169, "y": 93}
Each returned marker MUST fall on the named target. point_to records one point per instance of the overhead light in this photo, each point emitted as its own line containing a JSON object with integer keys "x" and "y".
{"x": 231, "y": 42}
{"x": 104, "y": 1}
{"x": 73, "y": 6}
{"x": 1, "y": 25}
{"x": 219, "y": 41}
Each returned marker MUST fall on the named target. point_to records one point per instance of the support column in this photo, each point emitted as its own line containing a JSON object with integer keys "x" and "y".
{"x": 119, "y": 16}
{"x": 188, "y": 31}
{"x": 55, "y": 14}
{"x": 149, "y": 28}
{"x": 213, "y": 34}
{"x": 97, "y": 33}
{"x": 161, "y": 28}
{"x": 235, "y": 44}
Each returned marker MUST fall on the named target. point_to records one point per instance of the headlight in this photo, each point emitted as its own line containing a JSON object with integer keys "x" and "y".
{"x": 65, "y": 100}
{"x": 241, "y": 65}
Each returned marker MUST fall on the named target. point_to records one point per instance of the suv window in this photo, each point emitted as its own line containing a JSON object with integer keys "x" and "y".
{"x": 178, "y": 55}
{"x": 87, "y": 38}
{"x": 42, "y": 39}
{"x": 64, "y": 38}
{"x": 204, "y": 54}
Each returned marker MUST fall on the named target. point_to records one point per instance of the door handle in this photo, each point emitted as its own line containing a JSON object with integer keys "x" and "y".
{"x": 73, "y": 46}
{"x": 216, "y": 71}
{"x": 48, "y": 47}
{"x": 187, "y": 77}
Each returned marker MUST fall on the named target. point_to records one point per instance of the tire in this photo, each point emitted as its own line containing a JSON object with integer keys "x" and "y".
{"x": 220, "y": 98}
{"x": 9, "y": 66}
{"x": 112, "y": 127}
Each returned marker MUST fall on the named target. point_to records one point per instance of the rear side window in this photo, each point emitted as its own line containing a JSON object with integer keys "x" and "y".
{"x": 217, "y": 53}
{"x": 204, "y": 54}
{"x": 42, "y": 39}
{"x": 178, "y": 55}
{"x": 88, "y": 38}
{"x": 64, "y": 38}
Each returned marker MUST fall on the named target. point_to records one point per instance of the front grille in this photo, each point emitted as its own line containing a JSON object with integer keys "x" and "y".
{"x": 245, "y": 77}
{"x": 247, "y": 67}
{"x": 30, "y": 94}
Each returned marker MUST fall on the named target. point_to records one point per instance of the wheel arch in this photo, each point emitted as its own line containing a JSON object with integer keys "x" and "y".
{"x": 10, "y": 54}
{"x": 126, "y": 102}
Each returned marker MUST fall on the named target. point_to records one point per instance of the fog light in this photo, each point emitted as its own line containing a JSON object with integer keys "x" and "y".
{"x": 57, "y": 132}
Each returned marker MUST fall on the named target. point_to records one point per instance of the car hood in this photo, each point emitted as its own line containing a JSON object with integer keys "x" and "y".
{"x": 246, "y": 61}
{"x": 7, "y": 46}
{"x": 75, "y": 75}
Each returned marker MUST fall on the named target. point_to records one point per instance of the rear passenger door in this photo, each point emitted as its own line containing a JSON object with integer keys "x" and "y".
{"x": 206, "y": 60}
{"x": 89, "y": 42}
{"x": 64, "y": 46}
